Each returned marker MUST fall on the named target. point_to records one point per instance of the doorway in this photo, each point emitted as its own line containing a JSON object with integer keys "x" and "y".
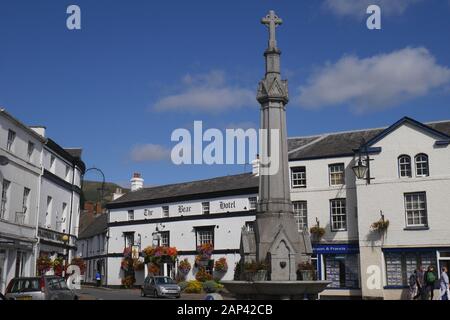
{"x": 444, "y": 261}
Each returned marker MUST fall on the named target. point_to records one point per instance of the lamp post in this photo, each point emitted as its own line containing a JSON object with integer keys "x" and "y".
{"x": 65, "y": 238}
{"x": 362, "y": 168}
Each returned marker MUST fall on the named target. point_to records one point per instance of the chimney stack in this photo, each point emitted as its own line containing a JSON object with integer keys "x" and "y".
{"x": 116, "y": 195}
{"x": 137, "y": 182}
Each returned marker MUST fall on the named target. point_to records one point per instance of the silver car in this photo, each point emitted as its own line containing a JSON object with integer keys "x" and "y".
{"x": 160, "y": 287}
{"x": 39, "y": 288}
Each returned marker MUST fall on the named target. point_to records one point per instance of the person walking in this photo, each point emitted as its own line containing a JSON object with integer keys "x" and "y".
{"x": 420, "y": 284}
{"x": 413, "y": 285}
{"x": 98, "y": 278}
{"x": 430, "y": 282}
{"x": 444, "y": 289}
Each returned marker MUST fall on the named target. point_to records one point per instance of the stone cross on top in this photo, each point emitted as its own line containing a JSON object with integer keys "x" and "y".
{"x": 272, "y": 21}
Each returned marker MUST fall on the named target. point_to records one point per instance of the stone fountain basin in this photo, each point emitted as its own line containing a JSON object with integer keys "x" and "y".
{"x": 275, "y": 289}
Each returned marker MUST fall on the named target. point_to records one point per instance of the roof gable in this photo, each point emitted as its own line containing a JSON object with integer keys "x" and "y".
{"x": 406, "y": 120}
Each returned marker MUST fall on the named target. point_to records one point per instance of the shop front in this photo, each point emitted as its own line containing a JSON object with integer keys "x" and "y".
{"x": 339, "y": 263}
{"x": 401, "y": 263}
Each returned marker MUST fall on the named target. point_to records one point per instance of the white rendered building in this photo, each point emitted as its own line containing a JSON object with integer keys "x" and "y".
{"x": 409, "y": 186}
{"x": 39, "y": 199}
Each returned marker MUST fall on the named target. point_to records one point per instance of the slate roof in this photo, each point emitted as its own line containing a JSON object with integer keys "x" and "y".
{"x": 99, "y": 225}
{"x": 74, "y": 152}
{"x": 301, "y": 148}
{"x": 234, "y": 184}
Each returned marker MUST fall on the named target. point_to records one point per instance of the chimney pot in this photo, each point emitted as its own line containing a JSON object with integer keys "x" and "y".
{"x": 137, "y": 182}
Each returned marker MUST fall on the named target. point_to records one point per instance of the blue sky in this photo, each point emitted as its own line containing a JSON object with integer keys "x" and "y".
{"x": 137, "y": 70}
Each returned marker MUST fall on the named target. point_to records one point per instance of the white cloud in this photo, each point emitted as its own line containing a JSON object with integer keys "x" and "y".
{"x": 374, "y": 83}
{"x": 149, "y": 152}
{"x": 206, "y": 93}
{"x": 357, "y": 8}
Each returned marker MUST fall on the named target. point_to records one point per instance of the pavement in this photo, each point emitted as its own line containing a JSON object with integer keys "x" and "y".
{"x": 95, "y": 293}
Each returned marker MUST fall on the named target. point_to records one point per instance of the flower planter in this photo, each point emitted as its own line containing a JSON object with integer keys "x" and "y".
{"x": 307, "y": 275}
{"x": 202, "y": 263}
{"x": 260, "y": 275}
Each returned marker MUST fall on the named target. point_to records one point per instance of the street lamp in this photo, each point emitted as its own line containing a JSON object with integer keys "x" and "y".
{"x": 362, "y": 169}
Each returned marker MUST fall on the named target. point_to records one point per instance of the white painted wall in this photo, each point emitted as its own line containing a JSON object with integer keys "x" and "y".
{"x": 318, "y": 194}
{"x": 386, "y": 193}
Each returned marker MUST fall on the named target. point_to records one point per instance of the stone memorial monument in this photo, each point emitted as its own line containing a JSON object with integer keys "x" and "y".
{"x": 275, "y": 241}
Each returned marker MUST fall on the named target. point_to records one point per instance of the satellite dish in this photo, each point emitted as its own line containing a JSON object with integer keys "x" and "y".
{"x": 3, "y": 161}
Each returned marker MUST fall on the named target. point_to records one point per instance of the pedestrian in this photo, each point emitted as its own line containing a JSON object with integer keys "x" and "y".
{"x": 98, "y": 278}
{"x": 444, "y": 288}
{"x": 420, "y": 284}
{"x": 430, "y": 282}
{"x": 413, "y": 288}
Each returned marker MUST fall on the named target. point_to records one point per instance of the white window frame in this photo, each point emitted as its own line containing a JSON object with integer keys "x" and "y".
{"x": 52, "y": 163}
{"x": 252, "y": 203}
{"x": 205, "y": 236}
{"x": 298, "y": 179}
{"x": 10, "y": 141}
{"x": 130, "y": 215}
{"x": 422, "y": 165}
{"x": 403, "y": 167}
{"x": 165, "y": 211}
{"x": 335, "y": 170}
{"x": 5, "y": 197}
{"x": 205, "y": 208}
{"x": 416, "y": 209}
{"x": 30, "y": 151}
{"x": 301, "y": 214}
{"x": 48, "y": 212}
{"x": 338, "y": 215}
{"x": 165, "y": 239}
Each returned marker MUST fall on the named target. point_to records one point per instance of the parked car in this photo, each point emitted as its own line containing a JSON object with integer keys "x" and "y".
{"x": 160, "y": 287}
{"x": 39, "y": 288}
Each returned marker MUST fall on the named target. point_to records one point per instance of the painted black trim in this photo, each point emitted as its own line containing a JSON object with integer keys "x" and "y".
{"x": 442, "y": 143}
{"x": 56, "y": 244}
{"x": 395, "y": 287}
{"x": 181, "y": 253}
{"x": 101, "y": 256}
{"x": 63, "y": 153}
{"x": 180, "y": 198}
{"x": 184, "y": 218}
{"x": 401, "y": 122}
{"x": 416, "y": 228}
{"x": 61, "y": 182}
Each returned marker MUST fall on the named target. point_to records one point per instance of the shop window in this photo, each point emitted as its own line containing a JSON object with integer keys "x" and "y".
{"x": 342, "y": 270}
{"x": 400, "y": 265}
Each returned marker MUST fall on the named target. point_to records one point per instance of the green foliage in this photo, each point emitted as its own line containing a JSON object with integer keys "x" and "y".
{"x": 194, "y": 287}
{"x": 212, "y": 286}
{"x": 183, "y": 285}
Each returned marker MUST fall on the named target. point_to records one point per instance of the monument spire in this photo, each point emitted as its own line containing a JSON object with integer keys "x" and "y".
{"x": 272, "y": 21}
{"x": 277, "y": 237}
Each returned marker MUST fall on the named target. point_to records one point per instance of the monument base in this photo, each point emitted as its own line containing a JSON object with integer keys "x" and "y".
{"x": 276, "y": 290}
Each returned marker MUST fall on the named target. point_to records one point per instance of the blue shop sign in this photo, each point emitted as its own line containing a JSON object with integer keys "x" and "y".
{"x": 335, "y": 248}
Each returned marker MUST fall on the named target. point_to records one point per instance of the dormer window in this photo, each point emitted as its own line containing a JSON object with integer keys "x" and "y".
{"x": 422, "y": 169}
{"x": 404, "y": 166}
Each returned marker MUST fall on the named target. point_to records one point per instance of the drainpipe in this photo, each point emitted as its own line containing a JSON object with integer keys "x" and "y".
{"x": 38, "y": 213}
{"x": 71, "y": 209}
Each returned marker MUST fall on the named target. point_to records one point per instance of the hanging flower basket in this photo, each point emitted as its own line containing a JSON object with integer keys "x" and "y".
{"x": 317, "y": 231}
{"x": 205, "y": 251}
{"x": 138, "y": 265}
{"x": 184, "y": 266}
{"x": 153, "y": 269}
{"x": 221, "y": 265}
{"x": 159, "y": 255}
{"x": 381, "y": 225}
{"x": 44, "y": 264}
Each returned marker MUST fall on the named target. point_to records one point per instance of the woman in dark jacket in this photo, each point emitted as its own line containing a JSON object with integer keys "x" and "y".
{"x": 430, "y": 278}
